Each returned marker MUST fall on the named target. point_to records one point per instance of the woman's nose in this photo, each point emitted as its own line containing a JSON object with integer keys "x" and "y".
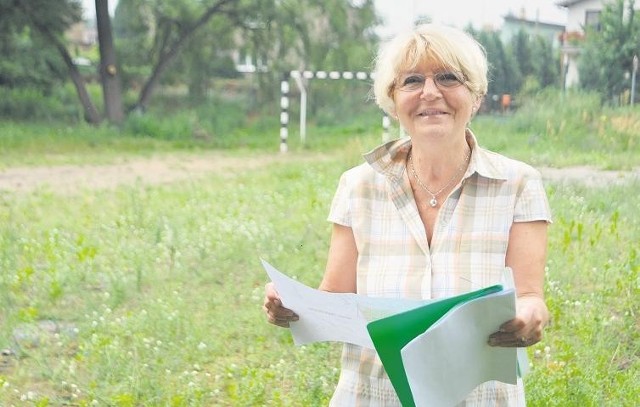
{"x": 430, "y": 89}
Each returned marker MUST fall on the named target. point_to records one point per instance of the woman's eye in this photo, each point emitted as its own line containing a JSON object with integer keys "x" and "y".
{"x": 448, "y": 77}
{"x": 413, "y": 79}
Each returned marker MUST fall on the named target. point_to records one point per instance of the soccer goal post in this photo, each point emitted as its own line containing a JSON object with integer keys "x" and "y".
{"x": 299, "y": 78}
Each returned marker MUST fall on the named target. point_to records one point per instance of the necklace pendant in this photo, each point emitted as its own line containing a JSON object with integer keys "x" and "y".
{"x": 433, "y": 202}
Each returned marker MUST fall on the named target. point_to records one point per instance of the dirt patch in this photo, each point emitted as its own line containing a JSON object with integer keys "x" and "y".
{"x": 589, "y": 176}
{"x": 174, "y": 168}
{"x": 151, "y": 171}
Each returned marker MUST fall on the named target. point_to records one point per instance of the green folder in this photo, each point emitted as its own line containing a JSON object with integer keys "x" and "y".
{"x": 391, "y": 334}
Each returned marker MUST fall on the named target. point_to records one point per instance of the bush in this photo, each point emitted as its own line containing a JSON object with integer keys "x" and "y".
{"x": 563, "y": 129}
{"x": 29, "y": 104}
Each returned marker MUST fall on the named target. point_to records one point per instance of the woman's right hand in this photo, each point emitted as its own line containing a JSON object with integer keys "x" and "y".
{"x": 276, "y": 313}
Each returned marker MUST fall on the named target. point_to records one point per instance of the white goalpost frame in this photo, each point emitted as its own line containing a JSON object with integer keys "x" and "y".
{"x": 298, "y": 77}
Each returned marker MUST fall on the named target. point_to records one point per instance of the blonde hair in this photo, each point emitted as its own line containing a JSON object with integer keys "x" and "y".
{"x": 447, "y": 46}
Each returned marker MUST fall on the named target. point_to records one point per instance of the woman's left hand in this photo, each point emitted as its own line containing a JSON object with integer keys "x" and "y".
{"x": 526, "y": 328}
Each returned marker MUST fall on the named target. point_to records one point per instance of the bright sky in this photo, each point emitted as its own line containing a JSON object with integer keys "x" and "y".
{"x": 400, "y": 14}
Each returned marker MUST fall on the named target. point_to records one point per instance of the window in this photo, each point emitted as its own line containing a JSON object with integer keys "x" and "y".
{"x": 592, "y": 19}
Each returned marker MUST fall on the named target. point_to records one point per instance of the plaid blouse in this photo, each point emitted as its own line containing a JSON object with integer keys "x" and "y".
{"x": 467, "y": 249}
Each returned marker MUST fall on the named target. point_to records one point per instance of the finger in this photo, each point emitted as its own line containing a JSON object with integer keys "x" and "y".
{"x": 275, "y": 321}
{"x": 508, "y": 339}
{"x": 512, "y": 326}
{"x": 282, "y": 319}
{"x": 270, "y": 291}
{"x": 271, "y": 303}
{"x": 278, "y": 313}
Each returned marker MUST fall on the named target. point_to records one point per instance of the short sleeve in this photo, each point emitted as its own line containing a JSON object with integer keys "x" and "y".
{"x": 532, "y": 203}
{"x": 340, "y": 212}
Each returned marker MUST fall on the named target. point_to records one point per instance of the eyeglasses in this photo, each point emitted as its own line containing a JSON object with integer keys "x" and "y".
{"x": 443, "y": 80}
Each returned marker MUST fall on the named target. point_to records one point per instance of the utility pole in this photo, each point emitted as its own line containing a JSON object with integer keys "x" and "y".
{"x": 633, "y": 78}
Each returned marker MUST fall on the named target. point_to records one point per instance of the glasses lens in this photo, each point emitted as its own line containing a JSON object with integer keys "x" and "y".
{"x": 448, "y": 79}
{"x": 414, "y": 82}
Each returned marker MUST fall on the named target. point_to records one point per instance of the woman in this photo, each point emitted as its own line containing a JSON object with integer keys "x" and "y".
{"x": 433, "y": 214}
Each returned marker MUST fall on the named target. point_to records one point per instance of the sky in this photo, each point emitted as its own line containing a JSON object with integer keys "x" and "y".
{"x": 400, "y": 14}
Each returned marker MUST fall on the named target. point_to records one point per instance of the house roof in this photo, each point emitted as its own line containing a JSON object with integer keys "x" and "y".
{"x": 568, "y": 3}
{"x": 524, "y": 21}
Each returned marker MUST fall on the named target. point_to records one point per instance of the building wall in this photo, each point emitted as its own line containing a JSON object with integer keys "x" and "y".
{"x": 576, "y": 13}
{"x": 576, "y": 18}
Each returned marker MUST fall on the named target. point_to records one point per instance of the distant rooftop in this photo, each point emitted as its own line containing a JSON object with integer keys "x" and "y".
{"x": 511, "y": 17}
{"x": 567, "y": 3}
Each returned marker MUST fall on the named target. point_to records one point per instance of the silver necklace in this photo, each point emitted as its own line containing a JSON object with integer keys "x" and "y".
{"x": 433, "y": 202}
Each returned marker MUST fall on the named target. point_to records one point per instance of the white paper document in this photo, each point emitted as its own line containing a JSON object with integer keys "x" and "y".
{"x": 339, "y": 317}
{"x": 452, "y": 357}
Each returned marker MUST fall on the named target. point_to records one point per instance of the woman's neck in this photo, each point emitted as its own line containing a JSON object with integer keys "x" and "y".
{"x": 437, "y": 161}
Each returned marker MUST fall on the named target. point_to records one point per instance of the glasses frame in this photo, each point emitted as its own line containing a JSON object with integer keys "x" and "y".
{"x": 437, "y": 78}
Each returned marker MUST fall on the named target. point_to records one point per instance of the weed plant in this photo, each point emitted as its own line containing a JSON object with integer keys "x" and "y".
{"x": 562, "y": 129}
{"x": 550, "y": 129}
{"x": 151, "y": 295}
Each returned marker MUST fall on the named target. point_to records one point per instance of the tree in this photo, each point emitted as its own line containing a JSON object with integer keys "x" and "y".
{"x": 284, "y": 34}
{"x": 504, "y": 76}
{"x": 133, "y": 34}
{"x": 536, "y": 64}
{"x": 21, "y": 48}
{"x": 280, "y": 36}
{"x": 607, "y": 55}
{"x": 546, "y": 62}
{"x": 49, "y": 19}
{"x": 527, "y": 65}
{"x": 207, "y": 54}
{"x": 522, "y": 52}
{"x": 172, "y": 36}
{"x": 109, "y": 72}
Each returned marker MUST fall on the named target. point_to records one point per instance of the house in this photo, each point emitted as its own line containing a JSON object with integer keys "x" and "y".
{"x": 82, "y": 37}
{"x": 513, "y": 24}
{"x": 580, "y": 15}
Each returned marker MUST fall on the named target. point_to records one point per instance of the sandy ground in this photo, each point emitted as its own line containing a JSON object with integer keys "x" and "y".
{"x": 168, "y": 169}
{"x": 151, "y": 171}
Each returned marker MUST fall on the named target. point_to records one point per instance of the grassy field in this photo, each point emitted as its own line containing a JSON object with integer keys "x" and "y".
{"x": 151, "y": 295}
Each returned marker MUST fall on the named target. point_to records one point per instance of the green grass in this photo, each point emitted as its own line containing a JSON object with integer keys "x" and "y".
{"x": 157, "y": 293}
{"x": 548, "y": 130}
{"x": 161, "y": 289}
{"x": 151, "y": 295}
{"x": 591, "y": 353}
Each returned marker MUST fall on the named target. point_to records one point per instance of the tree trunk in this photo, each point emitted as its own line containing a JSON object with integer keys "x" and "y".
{"x": 109, "y": 74}
{"x": 91, "y": 113}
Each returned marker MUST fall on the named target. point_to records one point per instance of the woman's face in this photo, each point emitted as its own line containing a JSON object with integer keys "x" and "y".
{"x": 432, "y": 101}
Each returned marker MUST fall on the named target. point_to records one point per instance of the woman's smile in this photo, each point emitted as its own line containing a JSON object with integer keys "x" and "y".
{"x": 432, "y": 112}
